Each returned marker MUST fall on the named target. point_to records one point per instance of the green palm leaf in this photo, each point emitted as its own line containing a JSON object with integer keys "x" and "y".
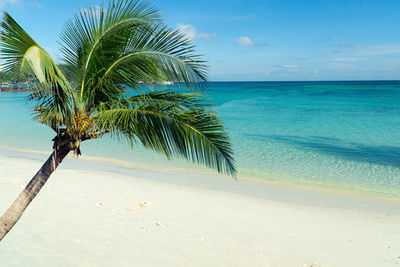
{"x": 98, "y": 30}
{"x": 107, "y": 49}
{"x": 23, "y": 55}
{"x": 174, "y": 124}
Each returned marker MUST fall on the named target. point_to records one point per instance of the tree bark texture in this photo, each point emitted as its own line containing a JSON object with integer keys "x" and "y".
{"x": 15, "y": 211}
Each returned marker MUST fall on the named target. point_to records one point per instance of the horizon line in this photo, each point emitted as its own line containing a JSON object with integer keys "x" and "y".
{"x": 372, "y": 80}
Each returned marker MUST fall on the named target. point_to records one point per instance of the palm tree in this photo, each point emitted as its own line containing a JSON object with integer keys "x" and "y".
{"x": 103, "y": 48}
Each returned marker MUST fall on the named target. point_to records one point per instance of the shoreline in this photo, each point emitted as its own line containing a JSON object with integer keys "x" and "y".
{"x": 89, "y": 217}
{"x": 16, "y": 90}
{"x": 270, "y": 190}
{"x": 118, "y": 166}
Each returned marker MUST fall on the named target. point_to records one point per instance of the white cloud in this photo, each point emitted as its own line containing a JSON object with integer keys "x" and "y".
{"x": 191, "y": 32}
{"x": 357, "y": 52}
{"x": 20, "y": 3}
{"x": 4, "y": 2}
{"x": 380, "y": 50}
{"x": 245, "y": 41}
{"x": 36, "y": 4}
{"x": 95, "y": 8}
{"x": 288, "y": 67}
{"x": 206, "y": 35}
{"x": 316, "y": 72}
{"x": 188, "y": 30}
{"x": 349, "y": 59}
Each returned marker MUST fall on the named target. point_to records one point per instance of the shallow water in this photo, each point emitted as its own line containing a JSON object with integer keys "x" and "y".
{"x": 342, "y": 134}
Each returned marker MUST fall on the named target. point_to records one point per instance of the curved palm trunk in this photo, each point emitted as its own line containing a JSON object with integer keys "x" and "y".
{"x": 15, "y": 211}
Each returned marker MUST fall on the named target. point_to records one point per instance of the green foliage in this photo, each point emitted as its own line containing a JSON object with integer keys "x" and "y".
{"x": 105, "y": 47}
{"x": 6, "y": 76}
{"x": 67, "y": 72}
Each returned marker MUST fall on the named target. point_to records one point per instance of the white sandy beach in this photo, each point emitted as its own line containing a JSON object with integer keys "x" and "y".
{"x": 151, "y": 218}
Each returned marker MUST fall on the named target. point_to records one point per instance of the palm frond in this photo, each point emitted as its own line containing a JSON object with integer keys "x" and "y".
{"x": 154, "y": 53}
{"x": 106, "y": 46}
{"x": 168, "y": 97}
{"x": 96, "y": 29}
{"x": 23, "y": 55}
{"x": 174, "y": 124}
{"x": 105, "y": 50}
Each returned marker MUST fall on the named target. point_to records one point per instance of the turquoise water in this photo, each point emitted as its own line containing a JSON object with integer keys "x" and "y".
{"x": 342, "y": 134}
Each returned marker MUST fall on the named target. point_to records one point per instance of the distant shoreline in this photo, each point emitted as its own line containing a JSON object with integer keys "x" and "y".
{"x": 361, "y": 82}
{"x": 305, "y": 81}
{"x": 15, "y": 90}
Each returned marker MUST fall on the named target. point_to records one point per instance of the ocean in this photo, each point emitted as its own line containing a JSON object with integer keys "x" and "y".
{"x": 329, "y": 134}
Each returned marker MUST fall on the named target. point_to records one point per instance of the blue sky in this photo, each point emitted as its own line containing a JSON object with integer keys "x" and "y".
{"x": 261, "y": 40}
